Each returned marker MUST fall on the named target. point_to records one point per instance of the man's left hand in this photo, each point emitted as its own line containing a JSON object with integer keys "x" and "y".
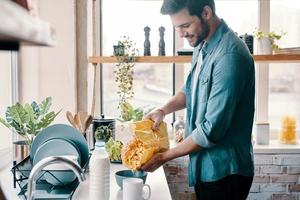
{"x": 154, "y": 163}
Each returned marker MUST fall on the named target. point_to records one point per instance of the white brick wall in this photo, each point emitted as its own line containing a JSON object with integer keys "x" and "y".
{"x": 277, "y": 177}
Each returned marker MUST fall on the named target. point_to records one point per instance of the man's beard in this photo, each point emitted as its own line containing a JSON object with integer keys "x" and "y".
{"x": 203, "y": 34}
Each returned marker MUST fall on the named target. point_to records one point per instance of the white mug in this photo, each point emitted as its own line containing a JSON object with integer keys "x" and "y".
{"x": 133, "y": 189}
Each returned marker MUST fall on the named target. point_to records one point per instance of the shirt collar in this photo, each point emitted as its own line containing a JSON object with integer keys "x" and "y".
{"x": 216, "y": 37}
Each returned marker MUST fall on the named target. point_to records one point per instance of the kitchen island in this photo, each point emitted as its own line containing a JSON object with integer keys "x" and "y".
{"x": 156, "y": 180}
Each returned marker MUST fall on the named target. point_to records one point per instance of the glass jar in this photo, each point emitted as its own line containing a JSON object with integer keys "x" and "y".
{"x": 288, "y": 133}
{"x": 178, "y": 129}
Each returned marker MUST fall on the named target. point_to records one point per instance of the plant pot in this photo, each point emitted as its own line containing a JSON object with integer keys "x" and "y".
{"x": 119, "y": 50}
{"x": 264, "y": 46}
{"x": 21, "y": 150}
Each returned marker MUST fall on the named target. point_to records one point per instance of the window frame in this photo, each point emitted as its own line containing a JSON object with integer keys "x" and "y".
{"x": 262, "y": 69}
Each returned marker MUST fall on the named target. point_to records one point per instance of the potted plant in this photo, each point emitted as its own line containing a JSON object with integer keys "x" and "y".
{"x": 126, "y": 54}
{"x": 30, "y": 119}
{"x": 267, "y": 41}
{"x": 104, "y": 133}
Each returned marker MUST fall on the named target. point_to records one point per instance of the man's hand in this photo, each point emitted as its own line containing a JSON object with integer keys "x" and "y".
{"x": 157, "y": 116}
{"x": 186, "y": 147}
{"x": 154, "y": 163}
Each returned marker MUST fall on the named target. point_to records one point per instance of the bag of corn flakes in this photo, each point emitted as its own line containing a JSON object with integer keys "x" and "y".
{"x": 145, "y": 143}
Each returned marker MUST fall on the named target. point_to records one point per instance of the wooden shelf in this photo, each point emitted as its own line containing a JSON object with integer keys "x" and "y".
{"x": 143, "y": 59}
{"x": 18, "y": 26}
{"x": 277, "y": 58}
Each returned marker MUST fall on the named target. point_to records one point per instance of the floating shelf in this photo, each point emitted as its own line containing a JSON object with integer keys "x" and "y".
{"x": 280, "y": 58}
{"x": 19, "y": 27}
{"x": 143, "y": 59}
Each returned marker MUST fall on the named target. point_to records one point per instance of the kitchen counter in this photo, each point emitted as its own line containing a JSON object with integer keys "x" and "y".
{"x": 156, "y": 180}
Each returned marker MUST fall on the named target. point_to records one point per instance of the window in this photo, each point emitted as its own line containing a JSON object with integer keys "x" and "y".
{"x": 152, "y": 82}
{"x": 284, "y": 84}
{"x": 241, "y": 16}
{"x": 247, "y": 13}
{"x": 5, "y": 97}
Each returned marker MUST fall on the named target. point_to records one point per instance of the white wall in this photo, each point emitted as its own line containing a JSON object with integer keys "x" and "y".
{"x": 48, "y": 71}
{"x": 51, "y": 71}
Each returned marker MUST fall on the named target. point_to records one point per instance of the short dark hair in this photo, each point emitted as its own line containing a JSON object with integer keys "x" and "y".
{"x": 195, "y": 7}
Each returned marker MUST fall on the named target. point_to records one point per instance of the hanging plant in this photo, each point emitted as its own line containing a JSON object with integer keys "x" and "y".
{"x": 126, "y": 54}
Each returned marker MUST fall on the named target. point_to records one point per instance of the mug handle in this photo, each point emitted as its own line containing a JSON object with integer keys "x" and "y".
{"x": 149, "y": 191}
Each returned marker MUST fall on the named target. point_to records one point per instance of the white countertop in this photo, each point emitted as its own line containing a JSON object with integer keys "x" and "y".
{"x": 156, "y": 180}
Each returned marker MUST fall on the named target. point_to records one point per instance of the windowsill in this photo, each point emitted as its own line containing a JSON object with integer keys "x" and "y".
{"x": 275, "y": 147}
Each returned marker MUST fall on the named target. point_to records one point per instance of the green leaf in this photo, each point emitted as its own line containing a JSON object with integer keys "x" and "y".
{"x": 16, "y": 113}
{"x": 32, "y": 128}
{"x": 138, "y": 114}
{"x": 36, "y": 109}
{"x": 46, "y": 120}
{"x": 45, "y": 105}
{"x": 31, "y": 114}
{"x": 16, "y": 116}
{"x": 19, "y": 128}
{"x": 2, "y": 121}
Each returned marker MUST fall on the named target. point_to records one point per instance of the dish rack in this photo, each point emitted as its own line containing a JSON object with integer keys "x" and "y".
{"x": 43, "y": 189}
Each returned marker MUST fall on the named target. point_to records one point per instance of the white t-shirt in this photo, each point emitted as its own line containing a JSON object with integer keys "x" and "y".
{"x": 196, "y": 75}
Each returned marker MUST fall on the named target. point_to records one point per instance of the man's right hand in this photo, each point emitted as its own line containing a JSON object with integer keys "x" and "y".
{"x": 157, "y": 116}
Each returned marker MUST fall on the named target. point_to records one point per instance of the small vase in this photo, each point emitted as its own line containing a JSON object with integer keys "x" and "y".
{"x": 21, "y": 150}
{"x": 264, "y": 46}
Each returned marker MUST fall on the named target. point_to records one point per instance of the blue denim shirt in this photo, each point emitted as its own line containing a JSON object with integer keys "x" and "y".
{"x": 221, "y": 119}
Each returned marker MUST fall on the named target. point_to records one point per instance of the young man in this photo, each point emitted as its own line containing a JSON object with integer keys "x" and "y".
{"x": 219, "y": 98}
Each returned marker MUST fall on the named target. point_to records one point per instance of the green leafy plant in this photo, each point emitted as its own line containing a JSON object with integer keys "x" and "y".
{"x": 113, "y": 148}
{"x": 131, "y": 114}
{"x": 30, "y": 119}
{"x": 104, "y": 133}
{"x": 124, "y": 71}
{"x": 272, "y": 36}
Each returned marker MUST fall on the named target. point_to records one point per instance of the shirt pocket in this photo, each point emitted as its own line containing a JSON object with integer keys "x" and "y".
{"x": 204, "y": 88}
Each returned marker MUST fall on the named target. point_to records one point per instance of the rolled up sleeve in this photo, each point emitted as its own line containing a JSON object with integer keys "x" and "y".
{"x": 228, "y": 80}
{"x": 201, "y": 139}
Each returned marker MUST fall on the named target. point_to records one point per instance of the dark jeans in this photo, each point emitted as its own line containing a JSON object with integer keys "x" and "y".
{"x": 232, "y": 187}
